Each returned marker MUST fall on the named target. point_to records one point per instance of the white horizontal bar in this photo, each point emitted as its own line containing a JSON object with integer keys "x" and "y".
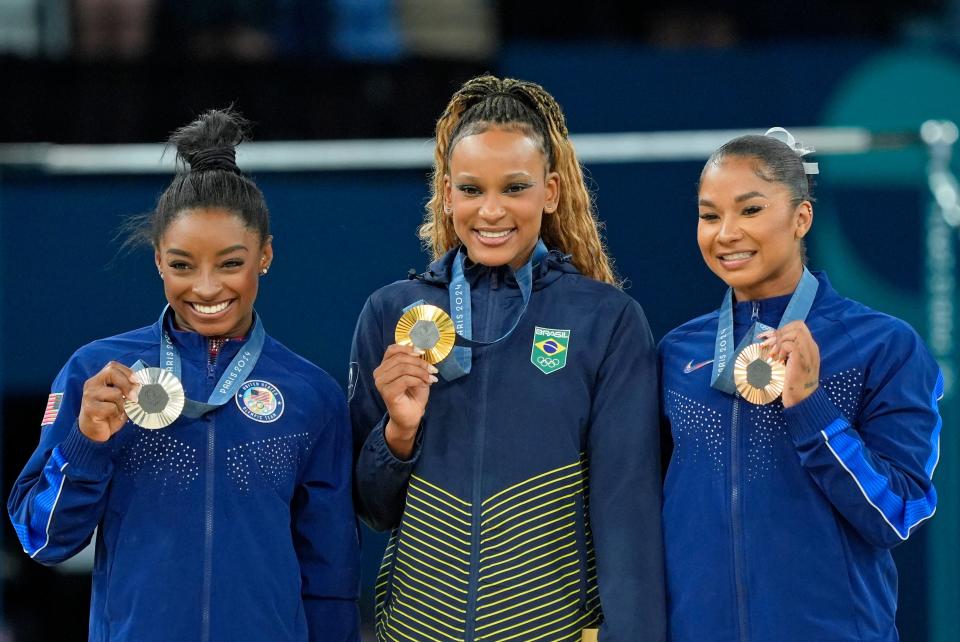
{"x": 386, "y": 154}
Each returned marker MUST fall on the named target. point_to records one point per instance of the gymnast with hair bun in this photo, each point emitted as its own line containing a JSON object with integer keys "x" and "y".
{"x": 804, "y": 426}
{"x": 212, "y": 462}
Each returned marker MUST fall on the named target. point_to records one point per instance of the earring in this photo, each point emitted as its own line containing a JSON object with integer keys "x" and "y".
{"x": 447, "y": 209}
{"x": 160, "y": 272}
{"x": 263, "y": 272}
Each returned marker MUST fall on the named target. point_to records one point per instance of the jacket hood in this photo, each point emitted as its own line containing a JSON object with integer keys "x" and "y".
{"x": 546, "y": 272}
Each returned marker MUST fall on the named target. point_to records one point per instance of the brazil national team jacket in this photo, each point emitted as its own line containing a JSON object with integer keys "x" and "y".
{"x": 235, "y": 526}
{"x": 779, "y": 523}
{"x": 532, "y": 500}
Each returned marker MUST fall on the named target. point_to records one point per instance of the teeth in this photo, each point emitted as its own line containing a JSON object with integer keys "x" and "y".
{"x": 493, "y": 235}
{"x": 736, "y": 256}
{"x": 210, "y": 309}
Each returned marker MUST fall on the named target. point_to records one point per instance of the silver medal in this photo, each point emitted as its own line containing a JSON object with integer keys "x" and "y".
{"x": 160, "y": 400}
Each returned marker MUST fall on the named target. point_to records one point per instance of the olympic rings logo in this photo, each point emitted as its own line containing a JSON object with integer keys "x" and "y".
{"x": 548, "y": 362}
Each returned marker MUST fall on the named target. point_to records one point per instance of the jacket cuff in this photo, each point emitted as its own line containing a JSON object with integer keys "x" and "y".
{"x": 377, "y": 443}
{"x": 87, "y": 458}
{"x": 811, "y": 415}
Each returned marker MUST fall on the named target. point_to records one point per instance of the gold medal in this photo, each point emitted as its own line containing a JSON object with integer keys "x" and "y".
{"x": 759, "y": 378}
{"x": 428, "y": 328}
{"x": 160, "y": 400}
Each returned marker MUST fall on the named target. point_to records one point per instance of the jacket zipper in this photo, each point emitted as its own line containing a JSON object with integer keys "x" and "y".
{"x": 208, "y": 513}
{"x": 736, "y": 522}
{"x": 473, "y": 587}
{"x": 736, "y": 505}
{"x": 581, "y": 528}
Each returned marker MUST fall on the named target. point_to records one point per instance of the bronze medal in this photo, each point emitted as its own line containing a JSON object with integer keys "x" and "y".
{"x": 428, "y": 328}
{"x": 759, "y": 379}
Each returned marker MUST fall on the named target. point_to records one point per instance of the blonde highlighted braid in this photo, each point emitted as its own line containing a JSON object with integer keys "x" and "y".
{"x": 488, "y": 101}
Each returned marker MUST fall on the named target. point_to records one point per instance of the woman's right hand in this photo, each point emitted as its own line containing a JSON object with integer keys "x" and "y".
{"x": 101, "y": 409}
{"x": 403, "y": 380}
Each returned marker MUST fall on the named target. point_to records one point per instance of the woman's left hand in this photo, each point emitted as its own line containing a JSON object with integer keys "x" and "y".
{"x": 794, "y": 345}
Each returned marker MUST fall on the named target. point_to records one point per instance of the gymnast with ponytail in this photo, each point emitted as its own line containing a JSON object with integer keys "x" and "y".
{"x": 504, "y": 401}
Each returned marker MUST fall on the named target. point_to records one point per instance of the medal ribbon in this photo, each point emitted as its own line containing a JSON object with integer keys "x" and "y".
{"x": 236, "y": 373}
{"x": 797, "y": 309}
{"x": 459, "y": 362}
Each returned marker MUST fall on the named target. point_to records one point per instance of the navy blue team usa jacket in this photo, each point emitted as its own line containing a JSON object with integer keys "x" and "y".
{"x": 238, "y": 525}
{"x": 779, "y": 523}
{"x": 531, "y": 506}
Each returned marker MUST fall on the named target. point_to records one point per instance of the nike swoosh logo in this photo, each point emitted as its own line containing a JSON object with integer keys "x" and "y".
{"x": 690, "y": 367}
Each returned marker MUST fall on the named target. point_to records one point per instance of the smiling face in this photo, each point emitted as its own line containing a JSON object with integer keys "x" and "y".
{"x": 751, "y": 230}
{"x": 498, "y": 189}
{"x": 210, "y": 263}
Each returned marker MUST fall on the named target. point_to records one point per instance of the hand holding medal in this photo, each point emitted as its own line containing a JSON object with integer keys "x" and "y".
{"x": 794, "y": 346}
{"x": 104, "y": 395}
{"x": 403, "y": 380}
{"x": 760, "y": 372}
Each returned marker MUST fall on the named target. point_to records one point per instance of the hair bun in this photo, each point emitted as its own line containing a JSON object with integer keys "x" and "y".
{"x": 209, "y": 142}
{"x": 222, "y": 158}
{"x": 785, "y": 137}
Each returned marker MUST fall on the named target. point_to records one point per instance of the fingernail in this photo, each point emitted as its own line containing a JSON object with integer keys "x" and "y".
{"x": 432, "y": 369}
{"x": 418, "y": 352}
{"x": 433, "y": 379}
{"x": 134, "y": 395}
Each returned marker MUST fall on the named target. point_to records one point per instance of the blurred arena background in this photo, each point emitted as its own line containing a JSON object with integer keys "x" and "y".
{"x": 648, "y": 88}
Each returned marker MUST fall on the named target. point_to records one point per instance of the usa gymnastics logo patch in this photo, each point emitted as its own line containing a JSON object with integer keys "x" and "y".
{"x": 260, "y": 400}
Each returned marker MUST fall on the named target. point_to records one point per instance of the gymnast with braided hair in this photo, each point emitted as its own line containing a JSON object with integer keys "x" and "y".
{"x": 504, "y": 401}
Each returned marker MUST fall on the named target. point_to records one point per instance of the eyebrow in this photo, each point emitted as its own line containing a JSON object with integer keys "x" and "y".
{"x": 227, "y": 250}
{"x": 509, "y": 177}
{"x": 739, "y": 199}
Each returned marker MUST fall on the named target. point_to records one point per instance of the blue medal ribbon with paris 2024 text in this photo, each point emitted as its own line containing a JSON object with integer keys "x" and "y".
{"x": 235, "y": 374}
{"x": 797, "y": 309}
{"x": 458, "y": 363}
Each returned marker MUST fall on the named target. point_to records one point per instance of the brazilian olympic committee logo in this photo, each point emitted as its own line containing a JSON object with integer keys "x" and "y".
{"x": 550, "y": 347}
{"x": 260, "y": 400}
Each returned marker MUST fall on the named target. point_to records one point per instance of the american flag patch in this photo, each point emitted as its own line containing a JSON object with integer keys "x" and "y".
{"x": 53, "y": 407}
{"x": 261, "y": 394}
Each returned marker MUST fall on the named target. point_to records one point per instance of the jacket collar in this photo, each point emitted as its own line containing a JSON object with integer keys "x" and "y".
{"x": 551, "y": 268}
{"x": 194, "y": 346}
{"x": 770, "y": 310}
